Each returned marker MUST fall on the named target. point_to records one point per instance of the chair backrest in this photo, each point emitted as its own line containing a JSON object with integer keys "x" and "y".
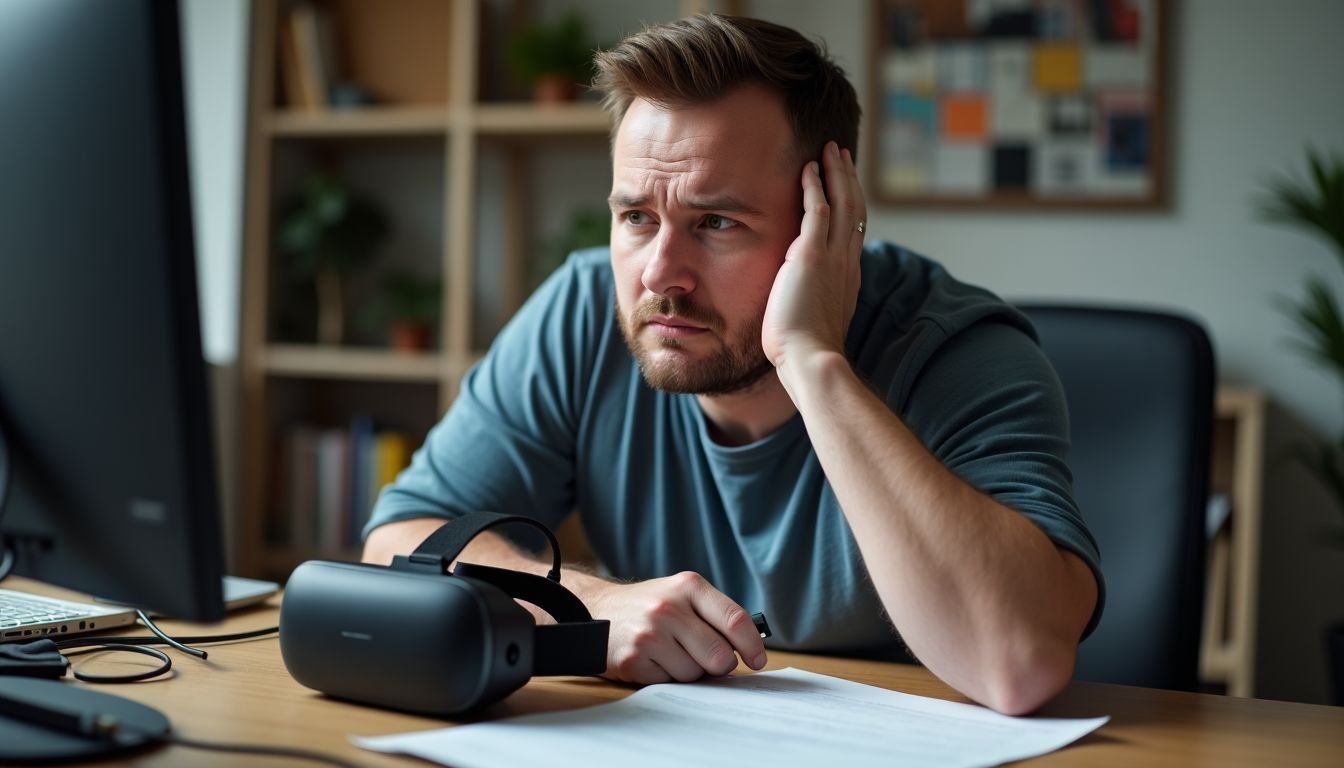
{"x": 1140, "y": 393}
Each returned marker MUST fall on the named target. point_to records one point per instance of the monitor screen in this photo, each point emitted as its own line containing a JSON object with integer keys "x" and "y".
{"x": 103, "y": 401}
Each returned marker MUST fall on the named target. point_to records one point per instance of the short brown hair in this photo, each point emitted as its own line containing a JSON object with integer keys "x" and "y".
{"x": 699, "y": 59}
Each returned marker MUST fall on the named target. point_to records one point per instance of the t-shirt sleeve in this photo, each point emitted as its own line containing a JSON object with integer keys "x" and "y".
{"x": 507, "y": 443}
{"x": 989, "y": 405}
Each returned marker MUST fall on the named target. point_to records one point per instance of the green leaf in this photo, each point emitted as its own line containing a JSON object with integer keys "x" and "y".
{"x": 561, "y": 48}
{"x": 327, "y": 226}
{"x": 1316, "y": 204}
{"x": 1318, "y": 318}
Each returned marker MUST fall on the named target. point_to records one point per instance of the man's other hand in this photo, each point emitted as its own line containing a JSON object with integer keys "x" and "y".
{"x": 674, "y": 628}
{"x": 817, "y": 287}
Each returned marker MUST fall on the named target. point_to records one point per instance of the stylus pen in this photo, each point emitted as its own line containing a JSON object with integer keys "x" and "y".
{"x": 81, "y": 722}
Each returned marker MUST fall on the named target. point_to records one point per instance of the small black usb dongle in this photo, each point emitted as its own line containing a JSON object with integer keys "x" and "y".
{"x": 762, "y": 625}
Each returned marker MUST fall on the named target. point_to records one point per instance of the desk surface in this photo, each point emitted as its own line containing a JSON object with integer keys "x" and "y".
{"x": 242, "y": 693}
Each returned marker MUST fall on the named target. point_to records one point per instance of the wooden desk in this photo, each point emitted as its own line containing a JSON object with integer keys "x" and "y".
{"x": 242, "y": 693}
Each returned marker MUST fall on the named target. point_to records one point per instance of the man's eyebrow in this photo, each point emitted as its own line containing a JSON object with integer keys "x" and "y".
{"x": 725, "y": 203}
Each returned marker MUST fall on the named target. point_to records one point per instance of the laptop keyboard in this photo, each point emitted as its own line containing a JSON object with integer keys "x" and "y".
{"x": 16, "y": 611}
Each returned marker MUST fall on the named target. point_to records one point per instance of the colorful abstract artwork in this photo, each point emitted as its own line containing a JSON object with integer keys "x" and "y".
{"x": 1035, "y": 102}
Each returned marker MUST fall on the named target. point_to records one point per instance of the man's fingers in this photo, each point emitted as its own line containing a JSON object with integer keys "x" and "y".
{"x": 730, "y": 622}
{"x": 710, "y": 651}
{"x": 816, "y": 211}
{"x": 642, "y": 670}
{"x": 856, "y": 201}
{"x": 840, "y": 194}
{"x": 677, "y": 628}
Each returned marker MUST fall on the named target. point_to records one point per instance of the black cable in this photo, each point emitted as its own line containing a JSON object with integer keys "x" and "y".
{"x": 162, "y": 669}
{"x": 148, "y": 622}
{"x": 79, "y": 642}
{"x": 139, "y": 644}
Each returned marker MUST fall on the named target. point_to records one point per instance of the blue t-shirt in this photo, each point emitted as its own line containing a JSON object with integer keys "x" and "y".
{"x": 557, "y": 417}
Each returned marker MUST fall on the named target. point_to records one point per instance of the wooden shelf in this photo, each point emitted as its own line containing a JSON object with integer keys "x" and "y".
{"x": 373, "y": 122}
{"x": 541, "y": 120}
{"x": 522, "y": 119}
{"x": 428, "y": 60}
{"x": 297, "y": 360}
{"x": 1227, "y": 653}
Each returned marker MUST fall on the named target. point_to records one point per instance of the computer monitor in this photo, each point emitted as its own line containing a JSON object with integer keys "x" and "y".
{"x": 103, "y": 400}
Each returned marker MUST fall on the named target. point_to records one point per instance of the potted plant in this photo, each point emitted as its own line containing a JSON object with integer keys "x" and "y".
{"x": 325, "y": 232}
{"x": 408, "y": 307}
{"x": 1317, "y": 205}
{"x": 588, "y": 227}
{"x": 552, "y": 59}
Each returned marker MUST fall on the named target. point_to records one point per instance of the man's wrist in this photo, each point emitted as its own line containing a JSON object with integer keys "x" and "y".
{"x": 805, "y": 376}
{"x": 588, "y": 587}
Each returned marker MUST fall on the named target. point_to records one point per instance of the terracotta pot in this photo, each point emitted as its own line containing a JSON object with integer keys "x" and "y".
{"x": 409, "y": 337}
{"x": 554, "y": 89}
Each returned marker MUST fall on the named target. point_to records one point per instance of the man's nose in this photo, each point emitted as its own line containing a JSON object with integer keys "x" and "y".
{"x": 670, "y": 268}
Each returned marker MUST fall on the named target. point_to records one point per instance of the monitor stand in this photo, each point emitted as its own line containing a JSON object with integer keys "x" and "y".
{"x": 26, "y": 741}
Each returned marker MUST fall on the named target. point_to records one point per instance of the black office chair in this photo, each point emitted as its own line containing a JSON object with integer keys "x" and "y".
{"x": 1140, "y": 392}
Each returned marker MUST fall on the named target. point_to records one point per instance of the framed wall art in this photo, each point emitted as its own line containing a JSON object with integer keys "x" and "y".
{"x": 1018, "y": 102}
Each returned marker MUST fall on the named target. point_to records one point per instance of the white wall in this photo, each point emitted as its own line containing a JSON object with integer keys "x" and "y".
{"x": 214, "y": 67}
{"x": 214, "y": 46}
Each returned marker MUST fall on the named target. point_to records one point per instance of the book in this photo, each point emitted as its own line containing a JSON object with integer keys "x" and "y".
{"x": 302, "y": 486}
{"x": 393, "y": 454}
{"x": 292, "y": 82}
{"x": 333, "y": 482}
{"x": 303, "y": 29}
{"x": 361, "y": 475}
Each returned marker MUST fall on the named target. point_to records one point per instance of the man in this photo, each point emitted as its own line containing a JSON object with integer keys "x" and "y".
{"x": 769, "y": 416}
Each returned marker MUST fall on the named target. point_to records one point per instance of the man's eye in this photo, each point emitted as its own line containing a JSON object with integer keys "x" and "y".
{"x": 636, "y": 217}
{"x": 714, "y": 221}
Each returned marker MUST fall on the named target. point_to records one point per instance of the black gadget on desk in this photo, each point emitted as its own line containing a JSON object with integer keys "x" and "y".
{"x": 110, "y": 484}
{"x": 418, "y": 638}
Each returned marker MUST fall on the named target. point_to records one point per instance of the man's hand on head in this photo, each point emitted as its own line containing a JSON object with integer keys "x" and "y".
{"x": 674, "y": 628}
{"x": 817, "y": 287}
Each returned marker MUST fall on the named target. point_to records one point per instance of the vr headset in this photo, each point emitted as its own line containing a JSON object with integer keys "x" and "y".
{"x": 414, "y": 637}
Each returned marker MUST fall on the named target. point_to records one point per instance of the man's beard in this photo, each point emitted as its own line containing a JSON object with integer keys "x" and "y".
{"x": 735, "y": 366}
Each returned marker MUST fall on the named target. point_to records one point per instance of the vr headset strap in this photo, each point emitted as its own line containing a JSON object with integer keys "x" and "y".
{"x": 446, "y": 543}
{"x": 575, "y": 645}
{"x": 543, "y": 593}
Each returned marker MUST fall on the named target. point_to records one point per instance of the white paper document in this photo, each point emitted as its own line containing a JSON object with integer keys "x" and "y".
{"x": 780, "y": 719}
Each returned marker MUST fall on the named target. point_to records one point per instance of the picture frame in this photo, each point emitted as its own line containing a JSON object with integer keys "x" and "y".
{"x": 1018, "y": 103}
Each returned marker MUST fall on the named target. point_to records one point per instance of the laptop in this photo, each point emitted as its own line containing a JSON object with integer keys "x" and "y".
{"x": 25, "y": 616}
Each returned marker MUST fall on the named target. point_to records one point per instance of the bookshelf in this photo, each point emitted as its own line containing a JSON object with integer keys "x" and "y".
{"x": 1227, "y": 653}
{"x": 467, "y": 173}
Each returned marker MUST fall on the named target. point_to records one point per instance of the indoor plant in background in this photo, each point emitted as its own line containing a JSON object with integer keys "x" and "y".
{"x": 553, "y": 59}
{"x": 407, "y": 308}
{"x": 588, "y": 227}
{"x": 325, "y": 232}
{"x": 1317, "y": 205}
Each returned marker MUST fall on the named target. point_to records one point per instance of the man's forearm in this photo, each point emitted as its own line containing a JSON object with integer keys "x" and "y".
{"x": 674, "y": 628}
{"x": 978, "y": 592}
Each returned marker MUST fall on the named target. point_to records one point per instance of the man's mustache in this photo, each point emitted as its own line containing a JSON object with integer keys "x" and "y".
{"x": 672, "y": 306}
